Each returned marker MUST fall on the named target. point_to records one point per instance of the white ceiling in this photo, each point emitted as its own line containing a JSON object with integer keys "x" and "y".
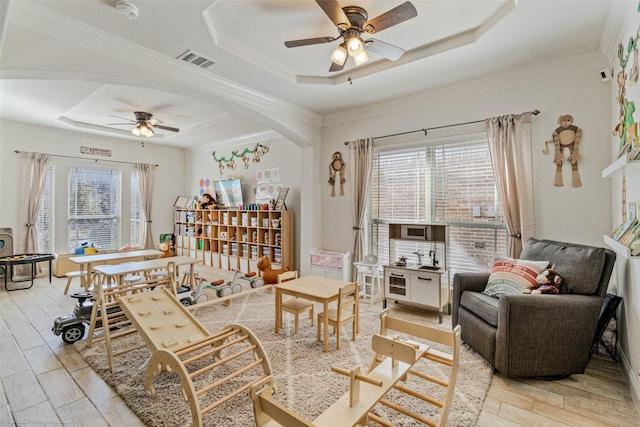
{"x": 75, "y": 64}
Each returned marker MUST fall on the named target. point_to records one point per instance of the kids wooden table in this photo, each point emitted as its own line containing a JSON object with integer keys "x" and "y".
{"x": 87, "y": 262}
{"x": 118, "y": 271}
{"x": 313, "y": 288}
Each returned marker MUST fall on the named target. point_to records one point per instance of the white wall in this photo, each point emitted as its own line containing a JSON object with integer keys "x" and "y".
{"x": 628, "y": 271}
{"x": 283, "y": 154}
{"x": 169, "y": 178}
{"x": 579, "y": 215}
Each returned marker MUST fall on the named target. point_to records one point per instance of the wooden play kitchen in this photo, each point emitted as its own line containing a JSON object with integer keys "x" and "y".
{"x": 425, "y": 283}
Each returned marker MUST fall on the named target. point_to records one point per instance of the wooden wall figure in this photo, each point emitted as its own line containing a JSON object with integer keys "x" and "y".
{"x": 566, "y": 136}
{"x": 336, "y": 166}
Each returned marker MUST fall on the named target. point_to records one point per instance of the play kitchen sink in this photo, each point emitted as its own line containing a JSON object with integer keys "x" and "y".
{"x": 424, "y": 280}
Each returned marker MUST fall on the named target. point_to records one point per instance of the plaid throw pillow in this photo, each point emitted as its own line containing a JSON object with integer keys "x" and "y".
{"x": 513, "y": 276}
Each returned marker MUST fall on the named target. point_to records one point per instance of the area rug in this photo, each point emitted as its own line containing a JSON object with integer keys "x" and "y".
{"x": 302, "y": 371}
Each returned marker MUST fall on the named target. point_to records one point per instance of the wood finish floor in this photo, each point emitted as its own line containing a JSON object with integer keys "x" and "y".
{"x": 45, "y": 382}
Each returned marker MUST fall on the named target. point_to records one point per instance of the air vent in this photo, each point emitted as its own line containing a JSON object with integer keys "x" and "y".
{"x": 196, "y": 59}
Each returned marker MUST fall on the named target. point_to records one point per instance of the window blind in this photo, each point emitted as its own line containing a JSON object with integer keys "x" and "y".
{"x": 93, "y": 206}
{"x": 451, "y": 183}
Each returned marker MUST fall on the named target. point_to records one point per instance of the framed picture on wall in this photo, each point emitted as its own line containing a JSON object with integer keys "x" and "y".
{"x": 282, "y": 195}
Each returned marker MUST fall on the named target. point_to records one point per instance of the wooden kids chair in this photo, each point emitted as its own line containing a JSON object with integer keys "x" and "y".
{"x": 346, "y": 312}
{"x": 295, "y": 306}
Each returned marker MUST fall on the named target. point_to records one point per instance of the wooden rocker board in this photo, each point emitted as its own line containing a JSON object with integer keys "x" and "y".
{"x": 108, "y": 318}
{"x": 181, "y": 344}
{"x": 394, "y": 360}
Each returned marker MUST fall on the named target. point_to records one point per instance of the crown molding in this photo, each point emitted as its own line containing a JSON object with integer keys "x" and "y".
{"x": 535, "y": 72}
{"x": 620, "y": 17}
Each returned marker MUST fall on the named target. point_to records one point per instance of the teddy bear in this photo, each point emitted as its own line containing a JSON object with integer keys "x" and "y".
{"x": 269, "y": 275}
{"x": 207, "y": 201}
{"x": 549, "y": 281}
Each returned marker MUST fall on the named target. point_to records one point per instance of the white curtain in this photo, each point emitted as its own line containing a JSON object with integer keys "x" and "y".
{"x": 511, "y": 156}
{"x": 146, "y": 175}
{"x": 360, "y": 164}
{"x": 32, "y": 183}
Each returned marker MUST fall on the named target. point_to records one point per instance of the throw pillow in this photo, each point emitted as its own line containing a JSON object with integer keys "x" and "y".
{"x": 513, "y": 276}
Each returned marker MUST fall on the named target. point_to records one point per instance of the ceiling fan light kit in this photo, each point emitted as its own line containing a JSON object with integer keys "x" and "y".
{"x": 361, "y": 58}
{"x": 143, "y": 124}
{"x": 142, "y": 129}
{"x": 351, "y": 22}
{"x": 339, "y": 55}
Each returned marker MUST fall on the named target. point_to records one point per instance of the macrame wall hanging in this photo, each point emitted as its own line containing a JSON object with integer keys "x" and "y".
{"x": 257, "y": 152}
{"x": 336, "y": 167}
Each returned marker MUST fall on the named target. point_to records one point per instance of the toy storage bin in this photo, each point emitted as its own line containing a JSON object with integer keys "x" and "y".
{"x": 334, "y": 265}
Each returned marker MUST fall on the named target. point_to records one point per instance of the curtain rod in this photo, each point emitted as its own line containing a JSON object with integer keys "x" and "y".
{"x": 534, "y": 112}
{"x": 86, "y": 158}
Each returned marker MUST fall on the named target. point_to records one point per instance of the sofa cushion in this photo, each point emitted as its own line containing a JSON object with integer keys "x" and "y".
{"x": 483, "y": 306}
{"x": 580, "y": 266}
{"x": 513, "y": 276}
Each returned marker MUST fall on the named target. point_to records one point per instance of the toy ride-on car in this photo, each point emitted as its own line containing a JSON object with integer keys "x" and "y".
{"x": 72, "y": 326}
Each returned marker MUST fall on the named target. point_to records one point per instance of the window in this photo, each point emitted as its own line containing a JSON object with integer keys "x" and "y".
{"x": 45, "y": 223}
{"x": 94, "y": 202}
{"x": 451, "y": 183}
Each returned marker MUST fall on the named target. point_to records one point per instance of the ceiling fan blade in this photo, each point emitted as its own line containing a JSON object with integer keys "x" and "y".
{"x": 306, "y": 42}
{"x": 335, "y": 67}
{"x": 391, "y": 17}
{"x": 166, "y": 128}
{"x": 119, "y": 124}
{"x": 386, "y": 50}
{"x": 123, "y": 118}
{"x": 335, "y": 13}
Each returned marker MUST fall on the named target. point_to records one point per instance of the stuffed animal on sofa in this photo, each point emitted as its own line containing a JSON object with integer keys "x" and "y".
{"x": 549, "y": 281}
{"x": 269, "y": 275}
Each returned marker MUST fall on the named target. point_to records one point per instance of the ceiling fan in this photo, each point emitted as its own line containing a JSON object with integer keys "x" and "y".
{"x": 143, "y": 124}
{"x": 351, "y": 22}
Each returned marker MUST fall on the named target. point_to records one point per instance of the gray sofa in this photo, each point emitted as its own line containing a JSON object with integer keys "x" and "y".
{"x": 537, "y": 335}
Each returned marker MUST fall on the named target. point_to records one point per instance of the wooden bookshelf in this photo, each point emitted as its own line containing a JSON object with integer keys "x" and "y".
{"x": 234, "y": 239}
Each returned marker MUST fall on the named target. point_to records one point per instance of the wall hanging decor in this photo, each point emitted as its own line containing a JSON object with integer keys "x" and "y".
{"x": 246, "y": 155}
{"x": 566, "y": 136}
{"x": 336, "y": 166}
{"x": 626, "y": 128}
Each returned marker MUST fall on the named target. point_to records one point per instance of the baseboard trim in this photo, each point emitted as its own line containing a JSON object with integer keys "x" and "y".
{"x": 634, "y": 380}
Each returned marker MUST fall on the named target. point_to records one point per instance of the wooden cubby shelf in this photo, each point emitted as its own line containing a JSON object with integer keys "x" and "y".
{"x": 235, "y": 239}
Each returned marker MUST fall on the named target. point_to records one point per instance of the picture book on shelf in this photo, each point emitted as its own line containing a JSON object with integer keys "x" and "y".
{"x": 635, "y": 248}
{"x": 623, "y": 228}
{"x": 631, "y": 234}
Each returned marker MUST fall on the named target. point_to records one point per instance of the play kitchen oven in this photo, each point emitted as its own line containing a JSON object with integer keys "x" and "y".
{"x": 409, "y": 285}
{"x": 398, "y": 284}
